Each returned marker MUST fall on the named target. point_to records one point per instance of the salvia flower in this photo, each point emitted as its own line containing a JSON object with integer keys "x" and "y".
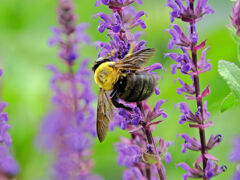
{"x": 188, "y": 63}
{"x": 69, "y": 129}
{"x": 212, "y": 170}
{"x": 119, "y": 24}
{"x": 235, "y": 18}
{"x": 190, "y": 143}
{"x": 140, "y": 154}
{"x": 136, "y": 155}
{"x": 128, "y": 154}
{"x": 186, "y": 13}
{"x": 8, "y": 166}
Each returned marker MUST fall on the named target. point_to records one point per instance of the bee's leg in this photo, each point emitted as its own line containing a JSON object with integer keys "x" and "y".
{"x": 119, "y": 105}
{"x": 113, "y": 93}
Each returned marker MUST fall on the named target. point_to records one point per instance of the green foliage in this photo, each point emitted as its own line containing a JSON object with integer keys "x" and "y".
{"x": 228, "y": 102}
{"x": 231, "y": 74}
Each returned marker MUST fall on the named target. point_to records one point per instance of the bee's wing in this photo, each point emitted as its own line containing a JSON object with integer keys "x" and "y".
{"x": 136, "y": 60}
{"x": 104, "y": 114}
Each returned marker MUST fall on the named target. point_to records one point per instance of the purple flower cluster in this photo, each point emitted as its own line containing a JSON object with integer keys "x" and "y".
{"x": 191, "y": 11}
{"x": 187, "y": 13}
{"x": 119, "y": 24}
{"x": 141, "y": 150}
{"x": 234, "y": 156}
{"x": 67, "y": 36}
{"x": 136, "y": 154}
{"x": 69, "y": 129}
{"x": 8, "y": 167}
{"x": 235, "y": 18}
{"x": 141, "y": 155}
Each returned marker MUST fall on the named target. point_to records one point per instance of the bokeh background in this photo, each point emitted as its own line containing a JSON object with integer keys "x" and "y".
{"x": 24, "y": 54}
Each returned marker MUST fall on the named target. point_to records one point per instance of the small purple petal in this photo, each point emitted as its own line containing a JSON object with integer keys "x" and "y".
{"x": 157, "y": 90}
{"x": 184, "y": 166}
{"x": 116, "y": 28}
{"x": 168, "y": 158}
{"x": 105, "y": 2}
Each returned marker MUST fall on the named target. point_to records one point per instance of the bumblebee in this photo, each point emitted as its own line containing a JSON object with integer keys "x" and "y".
{"x": 124, "y": 80}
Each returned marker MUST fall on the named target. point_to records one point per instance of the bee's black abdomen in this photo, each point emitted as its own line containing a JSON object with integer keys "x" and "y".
{"x": 139, "y": 86}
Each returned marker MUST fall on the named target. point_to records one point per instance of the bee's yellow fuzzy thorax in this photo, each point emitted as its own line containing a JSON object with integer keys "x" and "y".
{"x": 106, "y": 76}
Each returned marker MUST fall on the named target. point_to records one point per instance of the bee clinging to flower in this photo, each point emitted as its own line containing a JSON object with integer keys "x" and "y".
{"x": 123, "y": 80}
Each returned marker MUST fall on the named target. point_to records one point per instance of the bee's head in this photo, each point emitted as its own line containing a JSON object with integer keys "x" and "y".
{"x": 98, "y": 62}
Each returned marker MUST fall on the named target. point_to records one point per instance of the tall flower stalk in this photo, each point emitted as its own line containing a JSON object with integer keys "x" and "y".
{"x": 142, "y": 154}
{"x": 225, "y": 68}
{"x": 8, "y": 167}
{"x": 190, "y": 12}
{"x": 69, "y": 129}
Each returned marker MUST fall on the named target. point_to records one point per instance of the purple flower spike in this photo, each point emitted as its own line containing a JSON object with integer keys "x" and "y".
{"x": 139, "y": 154}
{"x": 190, "y": 64}
{"x": 68, "y": 50}
{"x": 8, "y": 166}
{"x": 69, "y": 129}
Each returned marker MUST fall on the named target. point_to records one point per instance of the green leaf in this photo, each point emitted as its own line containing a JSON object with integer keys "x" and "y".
{"x": 231, "y": 74}
{"x": 228, "y": 102}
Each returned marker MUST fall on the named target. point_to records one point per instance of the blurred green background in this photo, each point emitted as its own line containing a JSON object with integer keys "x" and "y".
{"x": 24, "y": 54}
